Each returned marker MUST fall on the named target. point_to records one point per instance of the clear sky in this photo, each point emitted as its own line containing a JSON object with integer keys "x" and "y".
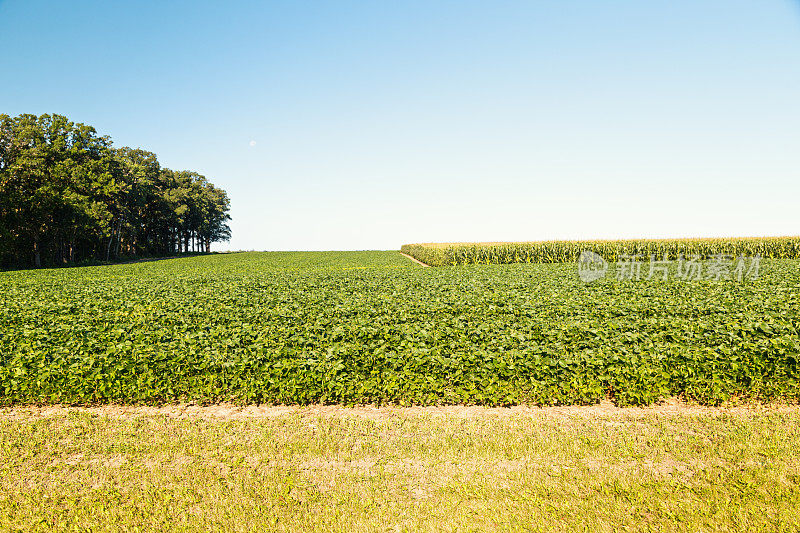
{"x": 353, "y": 125}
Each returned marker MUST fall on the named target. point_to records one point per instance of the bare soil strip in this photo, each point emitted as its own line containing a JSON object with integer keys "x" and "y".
{"x": 605, "y": 409}
{"x": 415, "y": 260}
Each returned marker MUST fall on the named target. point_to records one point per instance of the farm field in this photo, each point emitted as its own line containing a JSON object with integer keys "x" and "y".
{"x": 465, "y": 253}
{"x": 375, "y": 328}
{"x": 198, "y": 390}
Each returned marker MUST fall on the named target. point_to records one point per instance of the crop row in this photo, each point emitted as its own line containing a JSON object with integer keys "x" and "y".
{"x": 442, "y": 254}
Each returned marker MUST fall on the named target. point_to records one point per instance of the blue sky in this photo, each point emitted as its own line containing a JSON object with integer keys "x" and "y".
{"x": 365, "y": 125}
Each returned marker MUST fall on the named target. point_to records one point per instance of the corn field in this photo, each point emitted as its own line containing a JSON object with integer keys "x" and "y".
{"x": 443, "y": 254}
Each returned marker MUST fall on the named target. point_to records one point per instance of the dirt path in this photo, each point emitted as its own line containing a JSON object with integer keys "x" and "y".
{"x": 415, "y": 260}
{"x": 603, "y": 410}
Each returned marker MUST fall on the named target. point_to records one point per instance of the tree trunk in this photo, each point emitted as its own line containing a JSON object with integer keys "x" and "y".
{"x": 37, "y": 257}
{"x": 108, "y": 248}
{"x": 119, "y": 238}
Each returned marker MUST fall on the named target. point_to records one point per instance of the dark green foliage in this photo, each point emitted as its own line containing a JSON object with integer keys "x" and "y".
{"x": 371, "y": 327}
{"x": 66, "y": 196}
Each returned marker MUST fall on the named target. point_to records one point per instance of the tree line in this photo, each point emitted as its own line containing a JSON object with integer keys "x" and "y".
{"x": 67, "y": 195}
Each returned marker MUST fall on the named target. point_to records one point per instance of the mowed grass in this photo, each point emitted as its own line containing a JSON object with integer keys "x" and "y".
{"x": 400, "y": 469}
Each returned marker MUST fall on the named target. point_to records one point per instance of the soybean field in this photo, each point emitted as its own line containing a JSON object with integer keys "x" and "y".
{"x": 374, "y": 327}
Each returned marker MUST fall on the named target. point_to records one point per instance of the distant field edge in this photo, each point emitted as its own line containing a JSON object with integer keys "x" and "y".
{"x": 415, "y": 260}
{"x": 669, "y": 405}
{"x": 463, "y": 253}
{"x": 122, "y": 260}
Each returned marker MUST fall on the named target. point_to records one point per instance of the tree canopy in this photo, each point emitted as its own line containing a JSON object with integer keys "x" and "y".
{"x": 67, "y": 195}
